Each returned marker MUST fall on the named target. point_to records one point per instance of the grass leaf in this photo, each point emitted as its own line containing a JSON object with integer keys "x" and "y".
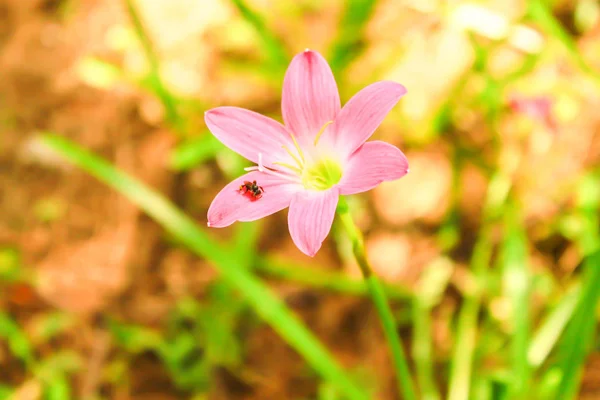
{"x": 577, "y": 338}
{"x": 517, "y": 287}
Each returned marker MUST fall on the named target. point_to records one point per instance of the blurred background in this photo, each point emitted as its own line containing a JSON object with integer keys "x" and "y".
{"x": 480, "y": 246}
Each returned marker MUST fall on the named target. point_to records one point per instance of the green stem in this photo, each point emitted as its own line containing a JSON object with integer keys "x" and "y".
{"x": 466, "y": 331}
{"x": 422, "y": 349}
{"x": 381, "y": 303}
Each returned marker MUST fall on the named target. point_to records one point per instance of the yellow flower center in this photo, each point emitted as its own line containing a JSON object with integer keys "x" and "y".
{"x": 322, "y": 175}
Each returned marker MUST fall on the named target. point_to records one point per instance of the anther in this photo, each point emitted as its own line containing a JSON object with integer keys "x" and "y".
{"x": 321, "y": 131}
{"x": 298, "y": 161}
{"x": 297, "y": 146}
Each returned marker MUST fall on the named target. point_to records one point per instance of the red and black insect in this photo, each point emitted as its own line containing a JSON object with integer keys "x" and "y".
{"x": 252, "y": 190}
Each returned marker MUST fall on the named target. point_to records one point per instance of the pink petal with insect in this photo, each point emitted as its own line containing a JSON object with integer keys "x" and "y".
{"x": 310, "y": 96}
{"x": 363, "y": 113}
{"x": 310, "y": 218}
{"x": 249, "y": 133}
{"x": 230, "y": 205}
{"x": 374, "y": 162}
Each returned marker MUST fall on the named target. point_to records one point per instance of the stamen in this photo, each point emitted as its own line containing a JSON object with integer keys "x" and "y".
{"x": 321, "y": 131}
{"x": 293, "y": 168}
{"x": 300, "y": 164}
{"x": 297, "y": 147}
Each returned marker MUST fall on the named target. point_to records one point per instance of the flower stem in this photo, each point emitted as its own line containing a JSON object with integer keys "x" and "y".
{"x": 379, "y": 298}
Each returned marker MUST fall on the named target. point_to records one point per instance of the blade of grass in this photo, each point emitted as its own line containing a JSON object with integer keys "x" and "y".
{"x": 517, "y": 286}
{"x": 273, "y": 46}
{"x": 17, "y": 340}
{"x": 154, "y": 80}
{"x": 428, "y": 294}
{"x": 552, "y": 327}
{"x": 258, "y": 295}
{"x": 577, "y": 338}
{"x": 540, "y": 12}
{"x": 348, "y": 43}
{"x": 466, "y": 330}
{"x": 461, "y": 364}
{"x": 322, "y": 279}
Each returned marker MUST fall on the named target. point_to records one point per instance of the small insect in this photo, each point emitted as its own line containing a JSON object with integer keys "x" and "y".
{"x": 251, "y": 189}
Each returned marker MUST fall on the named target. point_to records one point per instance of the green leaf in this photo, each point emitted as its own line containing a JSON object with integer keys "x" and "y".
{"x": 551, "y": 328}
{"x": 185, "y": 361}
{"x": 134, "y": 338}
{"x": 577, "y": 338}
{"x": 18, "y": 343}
{"x": 258, "y": 295}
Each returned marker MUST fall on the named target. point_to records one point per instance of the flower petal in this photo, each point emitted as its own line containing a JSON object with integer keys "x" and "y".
{"x": 230, "y": 205}
{"x": 310, "y": 96}
{"x": 310, "y": 218}
{"x": 249, "y": 133}
{"x": 374, "y": 162}
{"x": 363, "y": 113}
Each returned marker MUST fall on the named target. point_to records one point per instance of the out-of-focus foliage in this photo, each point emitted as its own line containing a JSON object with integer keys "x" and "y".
{"x": 488, "y": 248}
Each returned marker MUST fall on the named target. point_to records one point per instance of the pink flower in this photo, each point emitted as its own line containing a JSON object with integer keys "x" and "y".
{"x": 317, "y": 156}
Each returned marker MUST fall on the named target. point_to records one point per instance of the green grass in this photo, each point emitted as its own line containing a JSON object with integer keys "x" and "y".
{"x": 508, "y": 337}
{"x": 259, "y": 296}
{"x": 517, "y": 288}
